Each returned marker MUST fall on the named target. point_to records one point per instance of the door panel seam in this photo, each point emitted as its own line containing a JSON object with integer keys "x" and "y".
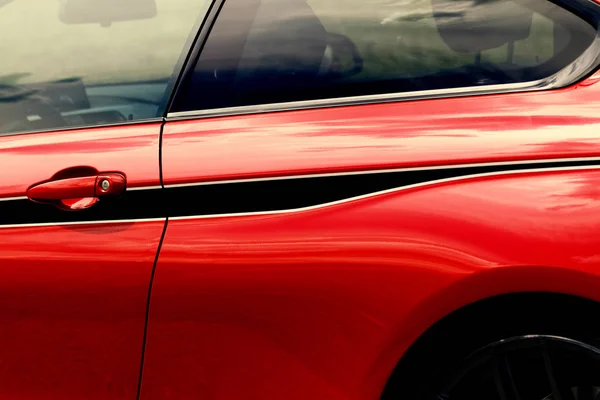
{"x": 147, "y": 316}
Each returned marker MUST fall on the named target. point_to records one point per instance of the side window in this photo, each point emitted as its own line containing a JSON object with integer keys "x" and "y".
{"x": 273, "y": 51}
{"x": 88, "y": 62}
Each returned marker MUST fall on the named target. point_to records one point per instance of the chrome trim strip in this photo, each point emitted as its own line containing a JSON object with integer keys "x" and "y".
{"x": 15, "y": 198}
{"x": 388, "y": 191}
{"x": 147, "y": 121}
{"x": 134, "y": 189}
{"x": 386, "y": 171}
{"x": 121, "y": 221}
{"x": 365, "y": 172}
{"x": 329, "y": 204}
{"x": 356, "y": 100}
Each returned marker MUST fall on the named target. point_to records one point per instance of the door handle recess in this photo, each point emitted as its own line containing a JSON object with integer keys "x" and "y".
{"x": 92, "y": 188}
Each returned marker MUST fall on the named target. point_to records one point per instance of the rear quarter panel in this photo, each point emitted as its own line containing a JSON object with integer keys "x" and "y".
{"x": 321, "y": 303}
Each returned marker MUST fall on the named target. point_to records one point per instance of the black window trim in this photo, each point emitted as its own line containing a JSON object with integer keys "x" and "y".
{"x": 586, "y": 64}
{"x": 190, "y": 52}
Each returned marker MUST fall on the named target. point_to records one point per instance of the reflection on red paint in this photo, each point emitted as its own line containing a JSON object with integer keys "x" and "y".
{"x": 78, "y": 204}
{"x": 535, "y": 125}
{"x": 132, "y": 149}
{"x": 73, "y": 301}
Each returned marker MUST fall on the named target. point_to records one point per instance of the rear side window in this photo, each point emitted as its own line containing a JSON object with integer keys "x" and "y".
{"x": 272, "y": 51}
{"x": 68, "y": 63}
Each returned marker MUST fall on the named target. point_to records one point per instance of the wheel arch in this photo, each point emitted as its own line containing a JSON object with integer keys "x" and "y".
{"x": 523, "y": 292}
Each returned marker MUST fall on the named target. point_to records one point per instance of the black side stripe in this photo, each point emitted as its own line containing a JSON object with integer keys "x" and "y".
{"x": 250, "y": 196}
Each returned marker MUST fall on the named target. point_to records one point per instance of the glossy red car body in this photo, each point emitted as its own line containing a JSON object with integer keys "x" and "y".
{"x": 333, "y": 296}
{"x": 320, "y": 302}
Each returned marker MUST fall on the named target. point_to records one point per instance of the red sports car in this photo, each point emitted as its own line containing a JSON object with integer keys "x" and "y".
{"x": 300, "y": 199}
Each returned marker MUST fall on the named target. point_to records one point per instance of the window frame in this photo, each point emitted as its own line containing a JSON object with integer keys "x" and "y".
{"x": 579, "y": 69}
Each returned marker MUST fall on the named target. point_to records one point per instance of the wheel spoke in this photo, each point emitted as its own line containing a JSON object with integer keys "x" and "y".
{"x": 560, "y": 392}
{"x": 503, "y": 377}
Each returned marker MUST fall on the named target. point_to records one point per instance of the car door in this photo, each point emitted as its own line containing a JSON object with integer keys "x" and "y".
{"x": 295, "y": 255}
{"x": 75, "y": 283}
{"x": 80, "y": 119}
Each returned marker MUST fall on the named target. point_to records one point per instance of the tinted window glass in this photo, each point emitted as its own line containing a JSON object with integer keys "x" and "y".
{"x": 270, "y": 51}
{"x": 88, "y": 62}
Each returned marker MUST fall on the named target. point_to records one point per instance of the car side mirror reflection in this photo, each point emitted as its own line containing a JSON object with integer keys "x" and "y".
{"x": 105, "y": 12}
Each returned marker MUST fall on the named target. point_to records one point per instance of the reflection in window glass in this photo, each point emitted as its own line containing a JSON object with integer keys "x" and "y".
{"x": 88, "y": 62}
{"x": 271, "y": 51}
